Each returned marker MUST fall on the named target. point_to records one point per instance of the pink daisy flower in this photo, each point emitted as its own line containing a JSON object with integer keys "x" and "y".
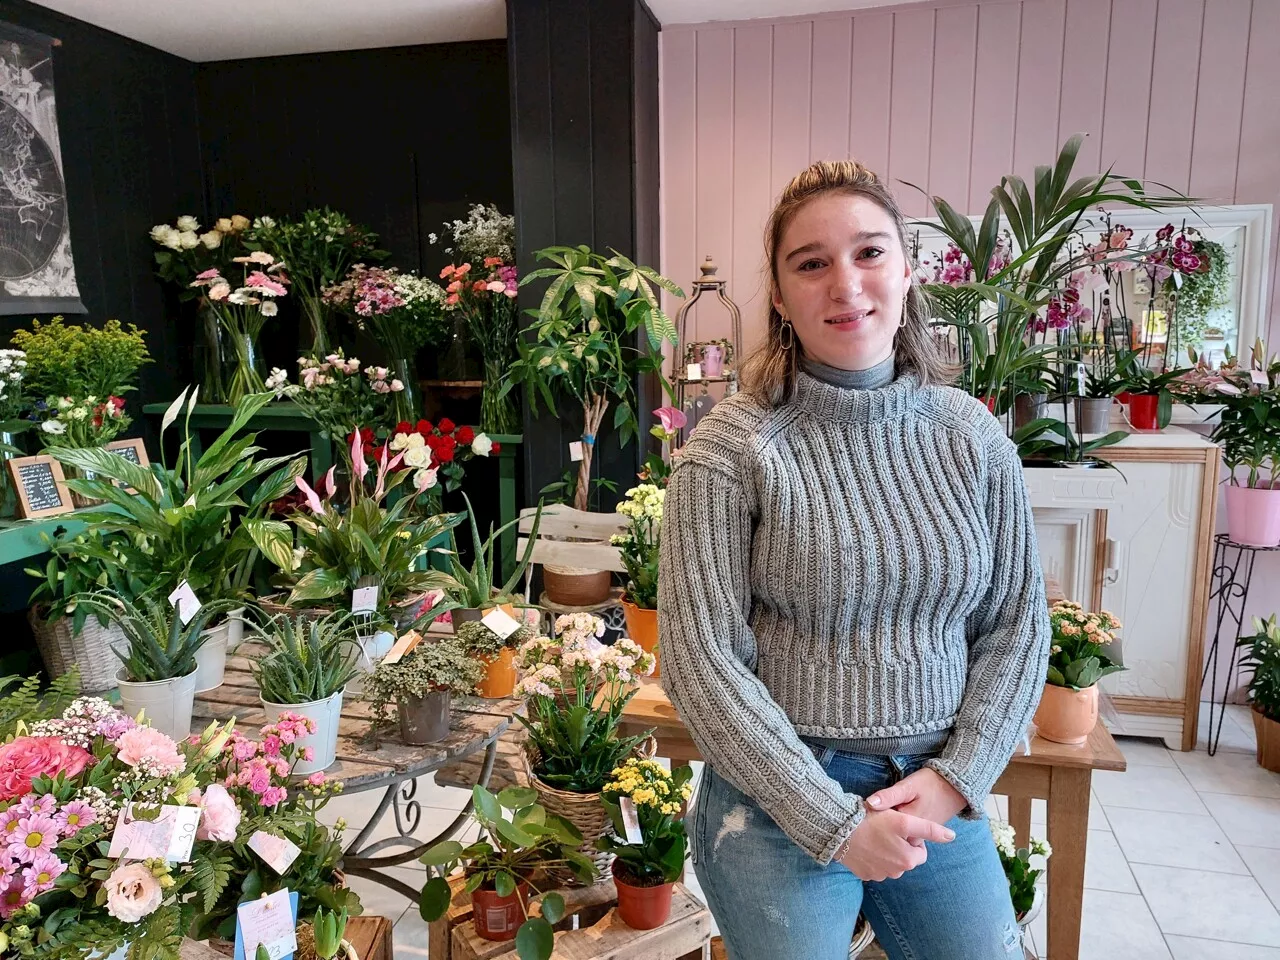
{"x": 208, "y": 274}
{"x": 9, "y": 824}
{"x": 74, "y": 817}
{"x": 40, "y": 875}
{"x": 42, "y": 806}
{"x": 12, "y": 897}
{"x": 35, "y": 835}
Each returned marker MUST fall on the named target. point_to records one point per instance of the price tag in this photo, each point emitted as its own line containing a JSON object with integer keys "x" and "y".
{"x": 278, "y": 852}
{"x": 575, "y": 450}
{"x": 364, "y": 600}
{"x": 403, "y": 646}
{"x": 630, "y": 820}
{"x": 693, "y": 371}
{"x": 271, "y": 921}
{"x": 185, "y": 599}
{"x": 1259, "y": 377}
{"x": 1080, "y": 379}
{"x": 500, "y": 622}
{"x": 169, "y": 836}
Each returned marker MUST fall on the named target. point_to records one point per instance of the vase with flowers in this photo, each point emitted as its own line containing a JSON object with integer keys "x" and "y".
{"x": 338, "y": 395}
{"x": 437, "y": 453}
{"x": 1078, "y": 659}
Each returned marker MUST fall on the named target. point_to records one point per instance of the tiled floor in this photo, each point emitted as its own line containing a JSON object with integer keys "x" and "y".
{"x": 1183, "y": 860}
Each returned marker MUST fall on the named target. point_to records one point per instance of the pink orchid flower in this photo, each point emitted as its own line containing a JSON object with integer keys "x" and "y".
{"x": 313, "y": 501}
{"x": 358, "y": 466}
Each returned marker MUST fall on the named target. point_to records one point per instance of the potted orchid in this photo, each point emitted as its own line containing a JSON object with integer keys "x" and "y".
{"x": 639, "y": 547}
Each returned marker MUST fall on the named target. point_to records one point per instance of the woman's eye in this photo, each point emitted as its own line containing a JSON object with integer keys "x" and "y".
{"x": 810, "y": 265}
{"x": 871, "y": 252}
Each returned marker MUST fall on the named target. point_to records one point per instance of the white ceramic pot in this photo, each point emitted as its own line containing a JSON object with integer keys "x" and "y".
{"x": 235, "y": 628}
{"x": 167, "y": 702}
{"x": 1037, "y": 905}
{"x": 326, "y": 713}
{"x": 211, "y": 658}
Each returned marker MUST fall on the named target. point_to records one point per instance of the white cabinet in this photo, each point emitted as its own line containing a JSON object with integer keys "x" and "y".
{"x": 1139, "y": 543}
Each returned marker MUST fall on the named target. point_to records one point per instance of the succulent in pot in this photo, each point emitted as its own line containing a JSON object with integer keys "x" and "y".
{"x": 420, "y": 684}
{"x": 471, "y": 590}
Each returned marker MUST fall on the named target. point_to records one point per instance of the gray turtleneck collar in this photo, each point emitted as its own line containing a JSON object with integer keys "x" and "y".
{"x": 872, "y": 378}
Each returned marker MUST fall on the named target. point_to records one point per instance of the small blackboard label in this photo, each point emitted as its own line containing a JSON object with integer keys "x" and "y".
{"x": 132, "y": 450}
{"x": 41, "y": 488}
{"x": 130, "y": 454}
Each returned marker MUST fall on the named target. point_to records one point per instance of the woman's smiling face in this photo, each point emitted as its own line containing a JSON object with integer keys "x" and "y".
{"x": 842, "y": 278}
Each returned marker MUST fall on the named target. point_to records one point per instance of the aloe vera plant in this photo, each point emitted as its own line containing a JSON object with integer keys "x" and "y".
{"x": 473, "y": 586}
{"x": 161, "y": 646}
{"x": 309, "y": 659}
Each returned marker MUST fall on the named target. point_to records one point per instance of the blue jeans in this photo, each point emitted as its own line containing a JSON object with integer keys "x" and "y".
{"x": 772, "y": 901}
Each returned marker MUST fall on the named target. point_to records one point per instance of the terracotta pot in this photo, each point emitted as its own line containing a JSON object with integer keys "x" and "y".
{"x": 642, "y": 627}
{"x": 1066, "y": 715}
{"x": 1144, "y": 411}
{"x": 1253, "y": 515}
{"x": 498, "y": 918}
{"x": 499, "y": 675}
{"x": 576, "y": 589}
{"x": 1268, "y": 736}
{"x": 642, "y": 908}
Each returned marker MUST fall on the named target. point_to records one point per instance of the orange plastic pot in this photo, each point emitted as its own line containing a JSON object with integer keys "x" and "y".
{"x": 642, "y": 908}
{"x": 1066, "y": 715}
{"x": 642, "y": 627}
{"x": 498, "y": 918}
{"x": 499, "y": 674}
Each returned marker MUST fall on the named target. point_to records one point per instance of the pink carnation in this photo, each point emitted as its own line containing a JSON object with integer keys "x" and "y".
{"x": 29, "y": 757}
{"x": 147, "y": 743}
{"x": 219, "y": 815}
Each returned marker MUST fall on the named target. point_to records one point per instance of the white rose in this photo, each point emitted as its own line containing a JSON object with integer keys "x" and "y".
{"x": 160, "y": 231}
{"x": 481, "y": 446}
{"x": 424, "y": 480}
{"x": 212, "y": 239}
{"x": 132, "y": 893}
{"x": 417, "y": 457}
{"x": 188, "y": 240}
{"x": 171, "y": 238}
{"x": 56, "y": 427}
{"x": 188, "y": 223}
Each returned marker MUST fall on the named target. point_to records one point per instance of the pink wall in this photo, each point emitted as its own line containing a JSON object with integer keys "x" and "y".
{"x": 950, "y": 96}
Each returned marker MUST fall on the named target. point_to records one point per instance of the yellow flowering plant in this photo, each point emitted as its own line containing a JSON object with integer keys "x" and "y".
{"x": 643, "y": 510}
{"x": 1076, "y": 657}
{"x": 659, "y": 797}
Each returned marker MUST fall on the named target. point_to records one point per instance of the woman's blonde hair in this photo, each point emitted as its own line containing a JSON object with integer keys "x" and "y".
{"x": 770, "y": 371}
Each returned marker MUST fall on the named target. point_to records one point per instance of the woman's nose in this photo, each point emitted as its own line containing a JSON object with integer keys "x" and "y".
{"x": 846, "y": 283}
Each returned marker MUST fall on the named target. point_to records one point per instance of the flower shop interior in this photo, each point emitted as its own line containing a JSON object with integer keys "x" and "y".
{"x": 347, "y": 365}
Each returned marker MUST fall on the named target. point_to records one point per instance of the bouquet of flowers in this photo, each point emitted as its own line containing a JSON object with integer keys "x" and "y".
{"x": 1019, "y": 868}
{"x": 83, "y": 423}
{"x": 13, "y": 397}
{"x": 576, "y": 689}
{"x": 640, "y": 545}
{"x": 70, "y": 360}
{"x": 487, "y": 302}
{"x": 1076, "y": 657}
{"x": 659, "y": 797}
{"x": 252, "y": 793}
{"x": 243, "y": 311}
{"x": 337, "y": 394}
{"x": 187, "y": 252}
{"x": 436, "y": 452}
{"x": 63, "y": 785}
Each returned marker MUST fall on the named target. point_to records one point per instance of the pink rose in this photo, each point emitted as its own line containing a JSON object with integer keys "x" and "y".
{"x": 219, "y": 816}
{"x": 132, "y": 893}
{"x": 29, "y": 757}
{"x": 147, "y": 743}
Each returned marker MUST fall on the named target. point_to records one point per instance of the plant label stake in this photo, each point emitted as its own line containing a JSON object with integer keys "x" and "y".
{"x": 694, "y": 371}
{"x": 185, "y": 599}
{"x": 278, "y": 852}
{"x": 1080, "y": 379}
{"x": 271, "y": 922}
{"x": 630, "y": 820}
{"x": 575, "y": 451}
{"x": 500, "y": 622}
{"x": 403, "y": 646}
{"x": 1259, "y": 377}
{"x": 364, "y": 600}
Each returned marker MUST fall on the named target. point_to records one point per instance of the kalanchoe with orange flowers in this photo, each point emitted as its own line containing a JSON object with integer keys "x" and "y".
{"x": 1078, "y": 655}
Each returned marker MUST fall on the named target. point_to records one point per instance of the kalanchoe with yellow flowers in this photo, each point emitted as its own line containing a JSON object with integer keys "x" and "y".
{"x": 658, "y": 797}
{"x": 640, "y": 544}
{"x": 1077, "y": 657}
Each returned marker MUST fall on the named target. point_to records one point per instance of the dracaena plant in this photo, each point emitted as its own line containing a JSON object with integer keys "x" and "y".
{"x": 195, "y": 520}
{"x": 307, "y": 659}
{"x": 473, "y": 586}
{"x": 521, "y": 844}
{"x": 160, "y": 645}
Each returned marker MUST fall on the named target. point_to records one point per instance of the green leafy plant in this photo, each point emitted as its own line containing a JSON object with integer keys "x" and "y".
{"x": 69, "y": 360}
{"x": 1019, "y": 869}
{"x": 473, "y": 587}
{"x": 328, "y": 928}
{"x": 1077, "y": 657}
{"x": 580, "y": 343}
{"x": 92, "y": 560}
{"x": 161, "y": 646}
{"x": 640, "y": 544}
{"x": 520, "y": 845}
{"x": 479, "y": 641}
{"x": 1249, "y": 424}
{"x": 1036, "y": 441}
{"x": 1261, "y": 655}
{"x": 659, "y": 798}
{"x": 308, "y": 659}
{"x": 426, "y": 668}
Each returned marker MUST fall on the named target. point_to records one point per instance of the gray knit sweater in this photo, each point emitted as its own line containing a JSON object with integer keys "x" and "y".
{"x": 856, "y": 565}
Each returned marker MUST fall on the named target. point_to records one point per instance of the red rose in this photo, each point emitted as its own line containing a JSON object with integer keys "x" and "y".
{"x": 404, "y": 426}
{"x": 465, "y": 435}
{"x": 496, "y": 448}
{"x": 425, "y": 428}
{"x": 444, "y": 453}
{"x": 445, "y": 426}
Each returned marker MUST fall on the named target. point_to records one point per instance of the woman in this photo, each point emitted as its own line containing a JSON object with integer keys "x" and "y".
{"x": 852, "y": 614}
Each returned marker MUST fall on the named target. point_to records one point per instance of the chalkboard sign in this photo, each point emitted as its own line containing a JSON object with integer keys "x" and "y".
{"x": 40, "y": 485}
{"x": 135, "y": 451}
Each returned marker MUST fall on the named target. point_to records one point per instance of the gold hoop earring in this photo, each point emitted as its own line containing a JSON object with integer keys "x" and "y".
{"x": 786, "y": 334}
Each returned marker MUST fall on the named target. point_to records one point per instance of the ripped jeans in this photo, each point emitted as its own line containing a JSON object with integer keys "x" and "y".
{"x": 772, "y": 901}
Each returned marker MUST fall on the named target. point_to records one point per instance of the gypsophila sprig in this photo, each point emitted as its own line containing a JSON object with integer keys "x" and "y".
{"x": 659, "y": 797}
{"x": 1019, "y": 868}
{"x": 1077, "y": 657}
{"x": 487, "y": 232}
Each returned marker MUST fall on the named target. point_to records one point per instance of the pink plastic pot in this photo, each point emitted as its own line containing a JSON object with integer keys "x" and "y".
{"x": 1253, "y": 515}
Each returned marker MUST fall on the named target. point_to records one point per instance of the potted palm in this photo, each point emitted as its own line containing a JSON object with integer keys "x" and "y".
{"x": 1262, "y": 657}
{"x": 575, "y": 689}
{"x": 158, "y": 664}
{"x": 470, "y": 590}
{"x": 305, "y": 671}
{"x": 495, "y": 654}
{"x": 421, "y": 684}
{"x": 1078, "y": 659}
{"x": 502, "y": 870}
{"x": 639, "y": 547}
{"x": 650, "y": 855}
{"x": 580, "y": 348}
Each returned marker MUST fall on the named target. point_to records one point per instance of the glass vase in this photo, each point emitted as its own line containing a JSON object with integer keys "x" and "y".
{"x": 497, "y": 414}
{"x": 209, "y": 355}
{"x": 406, "y": 400}
{"x": 455, "y": 361}
{"x": 245, "y": 367}
{"x": 317, "y": 316}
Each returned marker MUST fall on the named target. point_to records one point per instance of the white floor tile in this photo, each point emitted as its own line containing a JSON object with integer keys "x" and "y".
{"x": 1105, "y": 867}
{"x": 1216, "y": 906}
{"x": 1147, "y": 788}
{"x": 1243, "y": 716}
{"x": 1118, "y": 925}
{"x": 1235, "y": 773}
{"x": 1144, "y": 753}
{"x": 1265, "y": 865}
{"x": 380, "y": 901}
{"x": 1189, "y": 840}
{"x": 409, "y": 937}
{"x": 1252, "y": 821}
{"x": 1234, "y": 738}
{"x": 1194, "y": 948}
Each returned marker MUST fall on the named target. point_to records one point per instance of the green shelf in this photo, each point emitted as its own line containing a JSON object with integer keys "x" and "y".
{"x": 21, "y": 539}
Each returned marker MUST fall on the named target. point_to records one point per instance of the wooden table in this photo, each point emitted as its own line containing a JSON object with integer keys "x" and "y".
{"x": 384, "y": 764}
{"x": 1060, "y": 775}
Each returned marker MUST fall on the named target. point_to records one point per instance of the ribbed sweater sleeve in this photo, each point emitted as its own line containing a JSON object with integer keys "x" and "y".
{"x": 709, "y": 653}
{"x": 1008, "y": 636}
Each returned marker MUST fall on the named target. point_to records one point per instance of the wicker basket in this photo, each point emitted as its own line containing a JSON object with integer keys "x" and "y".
{"x": 273, "y": 606}
{"x": 89, "y": 652}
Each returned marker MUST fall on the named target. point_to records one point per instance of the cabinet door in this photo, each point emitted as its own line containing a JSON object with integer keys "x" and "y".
{"x": 1066, "y": 537}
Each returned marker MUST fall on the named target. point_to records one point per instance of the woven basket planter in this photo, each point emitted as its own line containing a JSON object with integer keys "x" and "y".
{"x": 273, "y": 607}
{"x": 90, "y": 651}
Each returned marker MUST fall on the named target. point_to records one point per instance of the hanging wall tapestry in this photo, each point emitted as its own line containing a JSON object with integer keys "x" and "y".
{"x": 37, "y": 274}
